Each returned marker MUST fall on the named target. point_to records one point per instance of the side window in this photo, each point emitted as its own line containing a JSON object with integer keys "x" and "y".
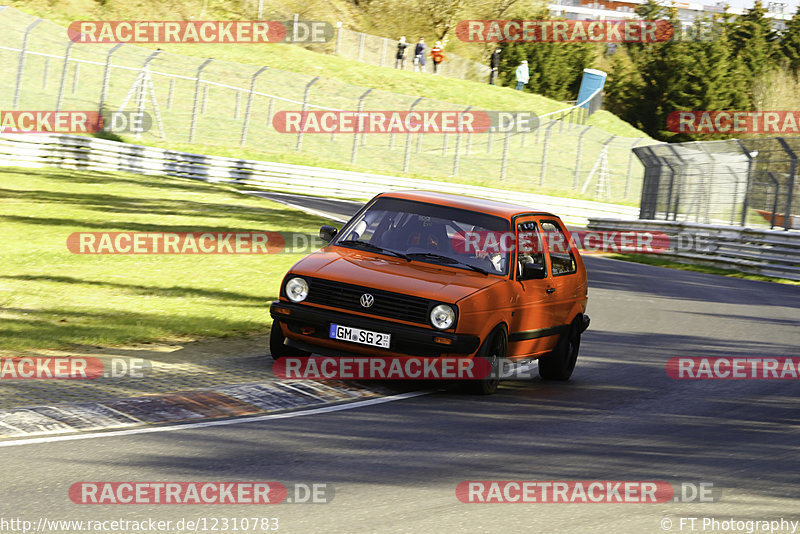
{"x": 529, "y": 241}
{"x": 561, "y": 258}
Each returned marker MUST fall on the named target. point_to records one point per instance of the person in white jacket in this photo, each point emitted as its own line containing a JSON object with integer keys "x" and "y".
{"x": 523, "y": 75}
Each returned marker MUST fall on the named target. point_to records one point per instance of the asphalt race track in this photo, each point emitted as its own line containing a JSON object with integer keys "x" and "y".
{"x": 395, "y": 466}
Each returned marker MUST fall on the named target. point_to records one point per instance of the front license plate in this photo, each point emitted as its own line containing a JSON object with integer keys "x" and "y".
{"x": 357, "y": 335}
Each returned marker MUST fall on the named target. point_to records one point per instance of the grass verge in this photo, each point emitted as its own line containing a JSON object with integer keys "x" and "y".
{"x": 51, "y": 298}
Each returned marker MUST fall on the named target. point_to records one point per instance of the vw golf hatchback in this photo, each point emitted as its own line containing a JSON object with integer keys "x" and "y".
{"x": 427, "y": 274}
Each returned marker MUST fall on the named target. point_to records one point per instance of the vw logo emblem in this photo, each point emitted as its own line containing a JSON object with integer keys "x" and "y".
{"x": 367, "y": 300}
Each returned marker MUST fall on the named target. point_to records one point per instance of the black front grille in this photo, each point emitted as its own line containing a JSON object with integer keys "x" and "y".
{"x": 387, "y": 304}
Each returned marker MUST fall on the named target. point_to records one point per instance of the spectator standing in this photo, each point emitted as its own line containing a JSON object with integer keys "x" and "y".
{"x": 437, "y": 55}
{"x": 419, "y": 55}
{"x": 400, "y": 59}
{"x": 494, "y": 64}
{"x": 522, "y": 74}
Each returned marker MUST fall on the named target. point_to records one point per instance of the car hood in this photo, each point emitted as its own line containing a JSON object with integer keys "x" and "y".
{"x": 426, "y": 280}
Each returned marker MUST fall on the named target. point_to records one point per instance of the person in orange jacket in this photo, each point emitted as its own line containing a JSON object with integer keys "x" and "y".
{"x": 437, "y": 55}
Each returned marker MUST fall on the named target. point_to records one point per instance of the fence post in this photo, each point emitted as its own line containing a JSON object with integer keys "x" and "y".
{"x": 303, "y": 113}
{"x": 107, "y": 73}
{"x": 630, "y": 167}
{"x": 46, "y": 72}
{"x": 21, "y": 64}
{"x": 237, "y": 105}
{"x": 407, "y": 157}
{"x": 171, "y": 92}
{"x": 269, "y": 111}
{"x": 504, "y": 163}
{"x": 140, "y": 97}
{"x": 196, "y": 98}
{"x": 787, "y": 222}
{"x": 578, "y": 159}
{"x": 458, "y": 146}
{"x": 544, "y": 152}
{"x": 63, "y": 76}
{"x": 747, "y": 185}
{"x": 775, "y": 200}
{"x": 75, "y": 79}
{"x": 361, "y": 46}
{"x": 250, "y": 105}
{"x": 358, "y": 121}
{"x": 674, "y": 187}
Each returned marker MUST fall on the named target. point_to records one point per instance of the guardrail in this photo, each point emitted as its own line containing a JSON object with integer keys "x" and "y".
{"x": 77, "y": 152}
{"x": 765, "y": 252}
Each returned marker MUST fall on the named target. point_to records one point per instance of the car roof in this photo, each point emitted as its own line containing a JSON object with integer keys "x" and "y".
{"x": 492, "y": 207}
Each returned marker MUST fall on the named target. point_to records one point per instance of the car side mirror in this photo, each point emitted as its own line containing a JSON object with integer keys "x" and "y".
{"x": 327, "y": 233}
{"x": 533, "y": 271}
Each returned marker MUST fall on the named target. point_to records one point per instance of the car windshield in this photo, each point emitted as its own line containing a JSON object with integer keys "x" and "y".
{"x": 425, "y": 232}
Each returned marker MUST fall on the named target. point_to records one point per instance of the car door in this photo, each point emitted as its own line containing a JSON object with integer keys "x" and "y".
{"x": 532, "y": 328}
{"x": 563, "y": 271}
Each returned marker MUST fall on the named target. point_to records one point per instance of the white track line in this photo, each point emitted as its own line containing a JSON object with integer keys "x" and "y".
{"x": 204, "y": 424}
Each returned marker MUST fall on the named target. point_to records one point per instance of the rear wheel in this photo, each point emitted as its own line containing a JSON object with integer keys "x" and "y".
{"x": 493, "y": 350}
{"x": 278, "y": 347}
{"x": 559, "y": 364}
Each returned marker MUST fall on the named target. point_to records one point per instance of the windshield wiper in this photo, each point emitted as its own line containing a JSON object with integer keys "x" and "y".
{"x": 447, "y": 260}
{"x": 370, "y": 246}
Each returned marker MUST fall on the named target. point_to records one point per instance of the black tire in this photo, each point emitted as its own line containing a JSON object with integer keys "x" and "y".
{"x": 494, "y": 349}
{"x": 559, "y": 364}
{"x": 277, "y": 344}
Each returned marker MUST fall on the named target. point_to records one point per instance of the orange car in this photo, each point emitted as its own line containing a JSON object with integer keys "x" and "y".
{"x": 432, "y": 274}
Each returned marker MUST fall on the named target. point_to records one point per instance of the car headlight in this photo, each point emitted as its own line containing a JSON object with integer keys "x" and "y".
{"x": 297, "y": 289}
{"x": 443, "y": 316}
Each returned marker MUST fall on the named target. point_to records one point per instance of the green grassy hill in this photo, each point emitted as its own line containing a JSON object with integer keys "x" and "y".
{"x": 297, "y": 59}
{"x": 209, "y": 117}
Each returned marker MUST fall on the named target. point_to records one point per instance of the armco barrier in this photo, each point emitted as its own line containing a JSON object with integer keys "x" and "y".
{"x": 77, "y": 152}
{"x": 766, "y": 252}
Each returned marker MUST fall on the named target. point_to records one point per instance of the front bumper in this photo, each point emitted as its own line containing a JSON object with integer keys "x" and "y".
{"x": 308, "y": 324}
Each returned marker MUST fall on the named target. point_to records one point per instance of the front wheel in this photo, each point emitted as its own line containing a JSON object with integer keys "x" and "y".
{"x": 493, "y": 350}
{"x": 277, "y": 344}
{"x": 559, "y": 364}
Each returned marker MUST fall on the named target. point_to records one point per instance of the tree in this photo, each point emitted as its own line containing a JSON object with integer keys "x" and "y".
{"x": 443, "y": 15}
{"x": 754, "y": 41}
{"x": 555, "y": 69}
{"x": 790, "y": 43}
